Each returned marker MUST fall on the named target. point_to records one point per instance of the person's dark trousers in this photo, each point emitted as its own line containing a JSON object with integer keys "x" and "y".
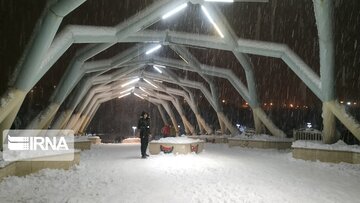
{"x": 144, "y": 143}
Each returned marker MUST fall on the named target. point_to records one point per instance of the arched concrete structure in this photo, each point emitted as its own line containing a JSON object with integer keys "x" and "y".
{"x": 218, "y": 72}
{"x": 189, "y": 128}
{"x": 97, "y": 104}
{"x": 46, "y": 49}
{"x": 43, "y": 40}
{"x": 92, "y": 92}
{"x": 102, "y": 88}
{"x": 85, "y": 117}
{"x": 75, "y": 73}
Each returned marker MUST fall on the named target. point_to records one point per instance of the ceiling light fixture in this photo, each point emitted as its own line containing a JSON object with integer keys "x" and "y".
{"x": 153, "y": 49}
{"x": 138, "y": 96}
{"x": 150, "y": 83}
{"x": 212, "y": 21}
{"x": 160, "y": 66}
{"x": 184, "y": 59}
{"x": 130, "y": 82}
{"x": 172, "y": 12}
{"x": 121, "y": 96}
{"x": 127, "y": 90}
{"x": 142, "y": 89}
{"x": 157, "y": 68}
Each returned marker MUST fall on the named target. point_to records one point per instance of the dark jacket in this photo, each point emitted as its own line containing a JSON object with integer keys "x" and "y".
{"x": 144, "y": 125}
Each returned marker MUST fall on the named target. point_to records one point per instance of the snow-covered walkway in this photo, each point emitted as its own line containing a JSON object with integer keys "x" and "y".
{"x": 115, "y": 173}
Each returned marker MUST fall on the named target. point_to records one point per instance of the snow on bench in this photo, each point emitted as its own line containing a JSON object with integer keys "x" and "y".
{"x": 176, "y": 145}
{"x": 334, "y": 153}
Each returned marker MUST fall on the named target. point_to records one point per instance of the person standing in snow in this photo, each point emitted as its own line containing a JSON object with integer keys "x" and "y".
{"x": 165, "y": 130}
{"x": 172, "y": 131}
{"x": 144, "y": 127}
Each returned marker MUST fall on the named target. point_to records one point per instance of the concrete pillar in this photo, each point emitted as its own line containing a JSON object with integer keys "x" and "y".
{"x": 268, "y": 123}
{"x": 187, "y": 125}
{"x": 73, "y": 120}
{"x": 221, "y": 123}
{"x": 162, "y": 114}
{"x": 62, "y": 119}
{"x": 42, "y": 120}
{"x": 92, "y": 114}
{"x": 201, "y": 122}
{"x": 9, "y": 106}
{"x": 259, "y": 127}
{"x": 226, "y": 122}
{"x": 217, "y": 107}
{"x": 350, "y": 123}
{"x": 32, "y": 61}
{"x": 329, "y": 129}
{"x": 74, "y": 99}
{"x": 15, "y": 98}
{"x": 172, "y": 116}
{"x": 78, "y": 123}
{"x": 324, "y": 15}
{"x": 250, "y": 79}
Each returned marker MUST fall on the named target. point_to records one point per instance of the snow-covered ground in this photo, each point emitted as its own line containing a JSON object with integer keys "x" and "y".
{"x": 115, "y": 173}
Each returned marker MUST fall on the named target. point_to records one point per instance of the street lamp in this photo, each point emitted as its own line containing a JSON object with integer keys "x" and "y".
{"x": 134, "y": 128}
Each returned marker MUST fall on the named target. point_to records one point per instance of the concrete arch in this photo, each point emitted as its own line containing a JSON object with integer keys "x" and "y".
{"x": 45, "y": 50}
{"x": 189, "y": 128}
{"x": 75, "y": 73}
{"x": 217, "y": 72}
{"x": 23, "y": 84}
{"x": 189, "y": 98}
{"x": 102, "y": 88}
{"x": 97, "y": 89}
{"x": 76, "y": 116}
{"x": 84, "y": 118}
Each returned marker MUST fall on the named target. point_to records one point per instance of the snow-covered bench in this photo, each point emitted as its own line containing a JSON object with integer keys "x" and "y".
{"x": 334, "y": 153}
{"x": 260, "y": 141}
{"x": 82, "y": 143}
{"x": 211, "y": 138}
{"x": 94, "y": 139}
{"x": 176, "y": 145}
{"x": 22, "y": 168}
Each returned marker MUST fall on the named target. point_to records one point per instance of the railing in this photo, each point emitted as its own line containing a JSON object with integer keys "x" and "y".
{"x": 307, "y": 134}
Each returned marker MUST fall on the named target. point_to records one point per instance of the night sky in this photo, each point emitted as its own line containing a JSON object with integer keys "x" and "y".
{"x": 290, "y": 22}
